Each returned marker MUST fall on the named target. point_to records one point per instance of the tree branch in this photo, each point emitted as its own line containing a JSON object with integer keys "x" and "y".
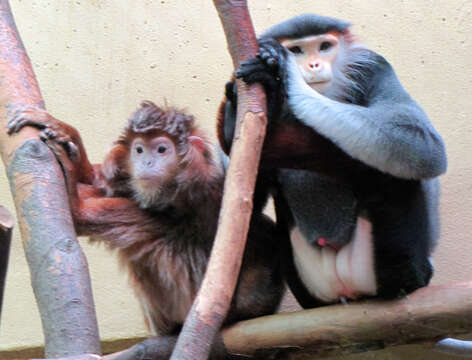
{"x": 59, "y": 271}
{"x": 423, "y": 317}
{"x": 213, "y": 300}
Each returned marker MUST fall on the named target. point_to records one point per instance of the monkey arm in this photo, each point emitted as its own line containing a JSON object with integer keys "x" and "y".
{"x": 391, "y": 133}
{"x": 291, "y": 145}
{"x": 114, "y": 220}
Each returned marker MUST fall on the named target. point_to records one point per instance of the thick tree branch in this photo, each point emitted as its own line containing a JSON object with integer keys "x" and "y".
{"x": 59, "y": 271}
{"x": 423, "y": 317}
{"x": 213, "y": 300}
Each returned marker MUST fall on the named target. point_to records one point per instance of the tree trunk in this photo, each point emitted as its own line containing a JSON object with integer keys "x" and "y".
{"x": 58, "y": 267}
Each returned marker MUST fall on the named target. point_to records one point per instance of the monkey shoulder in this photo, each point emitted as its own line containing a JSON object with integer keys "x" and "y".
{"x": 375, "y": 79}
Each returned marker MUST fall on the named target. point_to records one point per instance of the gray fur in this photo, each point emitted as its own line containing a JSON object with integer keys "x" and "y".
{"x": 367, "y": 114}
{"x": 304, "y": 25}
{"x": 392, "y": 133}
{"x": 320, "y": 206}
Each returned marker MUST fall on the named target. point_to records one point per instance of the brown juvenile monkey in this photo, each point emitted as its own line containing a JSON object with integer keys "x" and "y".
{"x": 164, "y": 221}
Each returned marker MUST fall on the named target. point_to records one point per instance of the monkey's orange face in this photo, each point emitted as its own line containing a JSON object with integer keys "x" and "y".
{"x": 153, "y": 162}
{"x": 315, "y": 56}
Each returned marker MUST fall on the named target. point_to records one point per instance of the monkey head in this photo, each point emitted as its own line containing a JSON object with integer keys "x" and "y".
{"x": 158, "y": 154}
{"x": 317, "y": 43}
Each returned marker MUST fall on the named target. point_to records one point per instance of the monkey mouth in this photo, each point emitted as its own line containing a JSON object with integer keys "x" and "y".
{"x": 318, "y": 82}
{"x": 146, "y": 181}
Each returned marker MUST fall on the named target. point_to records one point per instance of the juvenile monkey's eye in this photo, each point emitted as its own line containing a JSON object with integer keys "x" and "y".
{"x": 325, "y": 45}
{"x": 139, "y": 149}
{"x": 161, "y": 149}
{"x": 295, "y": 50}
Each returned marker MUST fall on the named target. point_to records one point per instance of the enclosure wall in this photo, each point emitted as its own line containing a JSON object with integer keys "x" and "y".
{"x": 97, "y": 59}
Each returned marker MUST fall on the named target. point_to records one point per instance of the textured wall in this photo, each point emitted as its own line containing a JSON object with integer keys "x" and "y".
{"x": 96, "y": 59}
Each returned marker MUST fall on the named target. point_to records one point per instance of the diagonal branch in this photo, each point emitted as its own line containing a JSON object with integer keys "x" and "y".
{"x": 59, "y": 271}
{"x": 213, "y": 300}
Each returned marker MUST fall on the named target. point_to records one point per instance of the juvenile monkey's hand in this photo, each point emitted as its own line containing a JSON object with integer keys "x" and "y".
{"x": 53, "y": 132}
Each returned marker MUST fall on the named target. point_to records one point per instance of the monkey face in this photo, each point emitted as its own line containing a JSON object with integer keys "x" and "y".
{"x": 153, "y": 162}
{"x": 315, "y": 56}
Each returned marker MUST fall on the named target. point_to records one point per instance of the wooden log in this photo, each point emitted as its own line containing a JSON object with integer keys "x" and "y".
{"x": 6, "y": 228}
{"x": 425, "y": 316}
{"x": 59, "y": 271}
{"x": 213, "y": 300}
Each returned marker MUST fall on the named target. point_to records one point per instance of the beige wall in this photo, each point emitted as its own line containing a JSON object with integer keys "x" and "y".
{"x": 96, "y": 59}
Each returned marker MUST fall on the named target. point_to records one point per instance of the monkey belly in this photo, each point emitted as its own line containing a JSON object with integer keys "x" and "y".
{"x": 329, "y": 275}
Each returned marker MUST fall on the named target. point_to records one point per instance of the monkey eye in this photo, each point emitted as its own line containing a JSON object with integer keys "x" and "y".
{"x": 325, "y": 45}
{"x": 161, "y": 149}
{"x": 139, "y": 149}
{"x": 295, "y": 50}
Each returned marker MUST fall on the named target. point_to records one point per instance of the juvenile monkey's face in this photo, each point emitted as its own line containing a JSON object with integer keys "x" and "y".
{"x": 315, "y": 56}
{"x": 154, "y": 162}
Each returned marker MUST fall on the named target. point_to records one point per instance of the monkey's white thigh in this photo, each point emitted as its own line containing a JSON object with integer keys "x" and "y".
{"x": 355, "y": 261}
{"x": 316, "y": 268}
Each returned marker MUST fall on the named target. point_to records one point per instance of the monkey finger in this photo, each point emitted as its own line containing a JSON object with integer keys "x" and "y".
{"x": 49, "y": 133}
{"x": 272, "y": 46}
{"x": 72, "y": 151}
{"x": 19, "y": 121}
{"x": 55, "y": 140}
{"x": 268, "y": 58}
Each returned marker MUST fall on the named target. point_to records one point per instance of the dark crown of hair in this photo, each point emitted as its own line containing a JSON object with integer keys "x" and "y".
{"x": 149, "y": 118}
{"x": 305, "y": 25}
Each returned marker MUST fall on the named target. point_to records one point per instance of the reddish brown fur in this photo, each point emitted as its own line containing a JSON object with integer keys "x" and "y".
{"x": 166, "y": 249}
{"x": 294, "y": 145}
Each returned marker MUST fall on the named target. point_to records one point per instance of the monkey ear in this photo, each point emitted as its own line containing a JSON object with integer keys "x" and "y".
{"x": 197, "y": 142}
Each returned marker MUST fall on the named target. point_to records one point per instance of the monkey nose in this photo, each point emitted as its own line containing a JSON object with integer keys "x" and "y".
{"x": 315, "y": 65}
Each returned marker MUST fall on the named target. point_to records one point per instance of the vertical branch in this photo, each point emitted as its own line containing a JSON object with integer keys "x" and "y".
{"x": 59, "y": 271}
{"x": 6, "y": 227}
{"x": 213, "y": 300}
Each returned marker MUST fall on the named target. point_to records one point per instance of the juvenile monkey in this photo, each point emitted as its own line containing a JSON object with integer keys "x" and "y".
{"x": 156, "y": 199}
{"x": 353, "y": 160}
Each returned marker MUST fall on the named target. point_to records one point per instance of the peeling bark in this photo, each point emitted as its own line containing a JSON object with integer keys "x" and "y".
{"x": 58, "y": 267}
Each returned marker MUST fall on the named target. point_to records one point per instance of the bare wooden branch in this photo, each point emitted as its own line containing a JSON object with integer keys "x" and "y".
{"x": 59, "y": 271}
{"x": 6, "y": 227}
{"x": 213, "y": 300}
{"x": 423, "y": 317}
